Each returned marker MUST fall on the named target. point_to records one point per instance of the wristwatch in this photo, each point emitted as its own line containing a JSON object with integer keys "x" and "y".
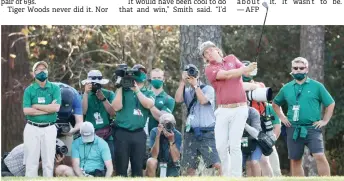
{"x": 172, "y": 143}
{"x": 104, "y": 99}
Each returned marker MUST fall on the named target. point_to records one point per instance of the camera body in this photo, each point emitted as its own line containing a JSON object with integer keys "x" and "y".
{"x": 61, "y": 150}
{"x": 62, "y": 126}
{"x": 267, "y": 127}
{"x": 124, "y": 76}
{"x": 169, "y": 127}
{"x": 266, "y": 123}
{"x": 192, "y": 72}
{"x": 96, "y": 87}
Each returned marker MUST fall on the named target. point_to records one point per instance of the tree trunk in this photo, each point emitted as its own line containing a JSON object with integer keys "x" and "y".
{"x": 15, "y": 76}
{"x": 312, "y": 48}
{"x": 191, "y": 37}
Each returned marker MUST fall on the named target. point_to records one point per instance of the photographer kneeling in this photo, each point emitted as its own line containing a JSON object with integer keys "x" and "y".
{"x": 165, "y": 143}
{"x": 132, "y": 104}
{"x": 12, "y": 163}
{"x": 69, "y": 117}
{"x": 90, "y": 156}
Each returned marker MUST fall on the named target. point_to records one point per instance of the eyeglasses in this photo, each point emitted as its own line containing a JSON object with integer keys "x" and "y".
{"x": 300, "y": 68}
{"x": 96, "y": 77}
{"x": 156, "y": 78}
{"x": 40, "y": 70}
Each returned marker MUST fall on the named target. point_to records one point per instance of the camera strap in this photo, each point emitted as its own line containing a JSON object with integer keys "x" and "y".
{"x": 193, "y": 100}
{"x": 162, "y": 151}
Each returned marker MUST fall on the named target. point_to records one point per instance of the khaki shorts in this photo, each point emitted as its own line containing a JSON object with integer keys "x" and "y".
{"x": 67, "y": 140}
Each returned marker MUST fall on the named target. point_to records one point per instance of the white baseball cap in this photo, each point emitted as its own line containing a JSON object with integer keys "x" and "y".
{"x": 87, "y": 132}
{"x": 96, "y": 77}
{"x": 204, "y": 46}
{"x": 167, "y": 117}
{"x": 39, "y": 63}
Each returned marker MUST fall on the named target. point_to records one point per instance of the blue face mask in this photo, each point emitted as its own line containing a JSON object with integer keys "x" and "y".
{"x": 42, "y": 76}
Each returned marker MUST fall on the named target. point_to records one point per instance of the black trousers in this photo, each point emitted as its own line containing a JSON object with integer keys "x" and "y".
{"x": 130, "y": 145}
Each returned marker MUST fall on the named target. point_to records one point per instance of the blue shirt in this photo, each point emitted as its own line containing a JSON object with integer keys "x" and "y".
{"x": 76, "y": 105}
{"x": 92, "y": 155}
{"x": 165, "y": 144}
{"x": 203, "y": 114}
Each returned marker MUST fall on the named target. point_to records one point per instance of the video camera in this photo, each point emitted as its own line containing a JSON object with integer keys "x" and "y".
{"x": 260, "y": 94}
{"x": 124, "y": 76}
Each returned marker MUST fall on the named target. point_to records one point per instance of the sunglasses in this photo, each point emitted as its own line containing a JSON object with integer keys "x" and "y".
{"x": 40, "y": 70}
{"x": 300, "y": 68}
{"x": 96, "y": 77}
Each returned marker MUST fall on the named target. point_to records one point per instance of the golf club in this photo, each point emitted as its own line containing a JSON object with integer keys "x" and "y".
{"x": 266, "y": 14}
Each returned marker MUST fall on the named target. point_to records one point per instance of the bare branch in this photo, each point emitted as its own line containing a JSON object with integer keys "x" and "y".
{"x": 107, "y": 65}
{"x": 15, "y": 41}
{"x": 3, "y": 60}
{"x": 98, "y": 50}
{"x": 16, "y": 33}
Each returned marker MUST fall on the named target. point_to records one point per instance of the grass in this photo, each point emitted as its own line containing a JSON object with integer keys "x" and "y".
{"x": 183, "y": 179}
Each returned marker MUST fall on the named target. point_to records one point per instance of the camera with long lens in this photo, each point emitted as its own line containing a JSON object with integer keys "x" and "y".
{"x": 124, "y": 76}
{"x": 260, "y": 94}
{"x": 61, "y": 150}
{"x": 96, "y": 87}
{"x": 169, "y": 127}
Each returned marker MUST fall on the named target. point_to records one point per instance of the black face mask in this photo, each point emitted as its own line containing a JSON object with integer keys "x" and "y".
{"x": 95, "y": 87}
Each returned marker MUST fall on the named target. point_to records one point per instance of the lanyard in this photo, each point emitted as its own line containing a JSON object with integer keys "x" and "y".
{"x": 86, "y": 157}
{"x": 298, "y": 94}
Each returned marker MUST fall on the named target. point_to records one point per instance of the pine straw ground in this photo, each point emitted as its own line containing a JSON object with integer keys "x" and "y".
{"x": 183, "y": 179}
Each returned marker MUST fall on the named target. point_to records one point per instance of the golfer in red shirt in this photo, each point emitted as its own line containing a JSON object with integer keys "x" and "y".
{"x": 225, "y": 75}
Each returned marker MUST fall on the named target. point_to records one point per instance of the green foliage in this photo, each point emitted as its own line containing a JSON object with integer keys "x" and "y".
{"x": 72, "y": 51}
